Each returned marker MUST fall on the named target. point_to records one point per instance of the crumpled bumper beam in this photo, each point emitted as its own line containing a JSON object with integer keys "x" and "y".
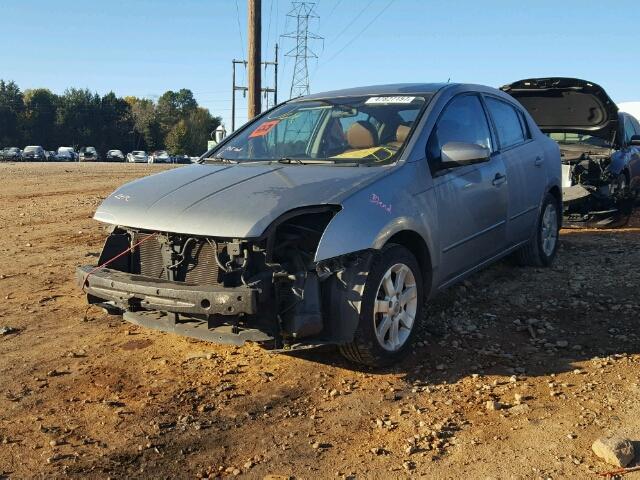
{"x": 131, "y": 291}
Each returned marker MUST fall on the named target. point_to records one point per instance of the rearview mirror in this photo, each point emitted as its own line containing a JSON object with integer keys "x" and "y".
{"x": 458, "y": 154}
{"x": 635, "y": 141}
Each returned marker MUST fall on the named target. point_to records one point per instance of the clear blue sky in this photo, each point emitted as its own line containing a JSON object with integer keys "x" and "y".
{"x": 145, "y": 47}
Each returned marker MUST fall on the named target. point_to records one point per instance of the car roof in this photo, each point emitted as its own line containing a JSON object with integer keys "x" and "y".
{"x": 390, "y": 89}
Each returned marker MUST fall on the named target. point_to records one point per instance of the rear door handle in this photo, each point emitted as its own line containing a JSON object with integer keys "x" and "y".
{"x": 499, "y": 179}
{"x": 538, "y": 162}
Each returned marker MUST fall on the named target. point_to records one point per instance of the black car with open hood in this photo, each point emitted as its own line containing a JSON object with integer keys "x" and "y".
{"x": 600, "y": 146}
{"x": 567, "y": 105}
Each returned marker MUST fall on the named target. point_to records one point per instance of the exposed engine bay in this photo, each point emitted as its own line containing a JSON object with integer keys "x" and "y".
{"x": 267, "y": 289}
{"x": 592, "y": 194}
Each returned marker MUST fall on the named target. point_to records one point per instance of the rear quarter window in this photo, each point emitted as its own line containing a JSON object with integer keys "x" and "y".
{"x": 508, "y": 123}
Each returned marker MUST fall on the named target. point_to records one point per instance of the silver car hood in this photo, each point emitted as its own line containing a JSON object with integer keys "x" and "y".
{"x": 237, "y": 201}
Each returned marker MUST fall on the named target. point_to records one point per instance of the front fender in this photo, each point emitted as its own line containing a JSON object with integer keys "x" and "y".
{"x": 370, "y": 217}
{"x": 618, "y": 163}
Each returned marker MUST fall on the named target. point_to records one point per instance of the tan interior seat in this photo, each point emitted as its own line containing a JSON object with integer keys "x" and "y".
{"x": 402, "y": 132}
{"x": 361, "y": 135}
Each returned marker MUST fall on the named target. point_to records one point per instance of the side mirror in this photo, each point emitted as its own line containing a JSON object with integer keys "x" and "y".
{"x": 458, "y": 154}
{"x": 635, "y": 141}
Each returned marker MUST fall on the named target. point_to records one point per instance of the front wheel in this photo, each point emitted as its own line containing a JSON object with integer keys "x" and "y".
{"x": 543, "y": 246}
{"x": 389, "y": 311}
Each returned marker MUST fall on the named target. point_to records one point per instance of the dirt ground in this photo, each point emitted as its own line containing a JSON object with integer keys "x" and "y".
{"x": 86, "y": 395}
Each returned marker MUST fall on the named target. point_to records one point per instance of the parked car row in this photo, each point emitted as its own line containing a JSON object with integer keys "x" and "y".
{"x": 36, "y": 153}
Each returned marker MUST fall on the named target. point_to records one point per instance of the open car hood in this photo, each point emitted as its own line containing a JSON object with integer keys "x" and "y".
{"x": 567, "y": 105}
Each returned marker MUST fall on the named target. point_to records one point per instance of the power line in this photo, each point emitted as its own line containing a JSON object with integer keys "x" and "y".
{"x": 240, "y": 29}
{"x": 302, "y": 12}
{"x": 353, "y": 20}
{"x": 336, "y": 5}
{"x": 269, "y": 26}
{"x": 360, "y": 32}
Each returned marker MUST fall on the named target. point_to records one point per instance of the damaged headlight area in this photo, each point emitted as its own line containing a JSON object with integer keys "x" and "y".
{"x": 592, "y": 194}
{"x": 225, "y": 290}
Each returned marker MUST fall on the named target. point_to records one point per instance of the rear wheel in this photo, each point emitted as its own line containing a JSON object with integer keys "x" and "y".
{"x": 390, "y": 309}
{"x": 543, "y": 246}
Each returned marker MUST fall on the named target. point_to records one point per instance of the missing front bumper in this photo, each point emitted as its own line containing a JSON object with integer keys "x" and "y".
{"x": 137, "y": 292}
{"x": 592, "y": 208}
{"x": 207, "y": 330}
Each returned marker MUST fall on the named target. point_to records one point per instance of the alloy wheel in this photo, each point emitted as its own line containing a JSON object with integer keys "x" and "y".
{"x": 395, "y": 307}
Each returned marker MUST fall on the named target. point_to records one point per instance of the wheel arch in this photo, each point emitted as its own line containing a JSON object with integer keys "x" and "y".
{"x": 556, "y": 192}
{"x": 414, "y": 242}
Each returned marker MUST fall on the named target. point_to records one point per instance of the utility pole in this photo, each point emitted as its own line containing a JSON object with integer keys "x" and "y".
{"x": 255, "y": 48}
{"x": 302, "y": 12}
{"x": 264, "y": 90}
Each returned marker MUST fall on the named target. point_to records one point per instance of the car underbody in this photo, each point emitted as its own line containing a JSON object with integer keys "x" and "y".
{"x": 267, "y": 290}
{"x": 593, "y": 195}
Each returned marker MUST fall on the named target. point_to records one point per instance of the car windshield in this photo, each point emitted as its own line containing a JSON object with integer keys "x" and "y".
{"x": 90, "y": 150}
{"x": 366, "y": 129}
{"x": 567, "y": 138}
{"x": 138, "y": 152}
{"x": 30, "y": 149}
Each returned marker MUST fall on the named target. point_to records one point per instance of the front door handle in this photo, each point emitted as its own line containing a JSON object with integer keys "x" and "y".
{"x": 538, "y": 162}
{"x": 499, "y": 179}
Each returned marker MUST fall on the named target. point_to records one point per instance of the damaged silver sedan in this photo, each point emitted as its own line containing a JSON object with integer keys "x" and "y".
{"x": 600, "y": 147}
{"x": 331, "y": 218}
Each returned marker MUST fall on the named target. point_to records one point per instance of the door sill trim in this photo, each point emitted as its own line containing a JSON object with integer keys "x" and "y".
{"x": 481, "y": 265}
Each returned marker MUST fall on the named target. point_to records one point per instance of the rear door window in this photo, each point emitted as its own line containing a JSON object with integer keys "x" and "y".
{"x": 525, "y": 125}
{"x": 463, "y": 120}
{"x": 507, "y": 122}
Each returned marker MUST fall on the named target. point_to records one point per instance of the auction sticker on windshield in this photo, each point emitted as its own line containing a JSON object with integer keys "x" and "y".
{"x": 263, "y": 129}
{"x": 387, "y": 100}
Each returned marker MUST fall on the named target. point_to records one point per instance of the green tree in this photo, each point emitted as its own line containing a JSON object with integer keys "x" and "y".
{"x": 148, "y": 134}
{"x": 39, "y": 117}
{"x": 79, "y": 118}
{"x": 11, "y": 106}
{"x": 175, "y": 106}
{"x": 178, "y": 139}
{"x": 117, "y": 129}
{"x": 200, "y": 123}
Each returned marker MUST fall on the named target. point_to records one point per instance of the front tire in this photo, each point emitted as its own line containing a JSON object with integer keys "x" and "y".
{"x": 541, "y": 250}
{"x": 390, "y": 309}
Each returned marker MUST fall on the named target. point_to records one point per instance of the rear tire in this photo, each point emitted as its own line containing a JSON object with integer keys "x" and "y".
{"x": 390, "y": 310}
{"x": 543, "y": 246}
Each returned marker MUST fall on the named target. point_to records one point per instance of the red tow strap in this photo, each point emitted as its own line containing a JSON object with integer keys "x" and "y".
{"x": 99, "y": 267}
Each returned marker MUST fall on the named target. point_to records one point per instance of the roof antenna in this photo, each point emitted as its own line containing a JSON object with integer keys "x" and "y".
{"x": 448, "y": 79}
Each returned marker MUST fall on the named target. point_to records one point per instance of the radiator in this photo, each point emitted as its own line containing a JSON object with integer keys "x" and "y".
{"x": 199, "y": 266}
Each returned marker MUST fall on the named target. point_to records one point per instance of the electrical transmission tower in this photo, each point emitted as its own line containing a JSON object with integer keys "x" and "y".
{"x": 302, "y": 12}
